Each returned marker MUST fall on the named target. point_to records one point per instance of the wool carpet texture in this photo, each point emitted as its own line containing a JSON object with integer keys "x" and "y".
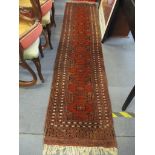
{"x": 79, "y": 116}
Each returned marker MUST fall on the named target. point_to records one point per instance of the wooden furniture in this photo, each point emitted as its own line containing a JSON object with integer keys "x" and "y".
{"x": 30, "y": 30}
{"x": 53, "y": 14}
{"x": 118, "y": 19}
{"x": 129, "y": 11}
{"x": 129, "y": 99}
{"x": 128, "y": 7}
{"x": 29, "y": 49}
{"x": 112, "y": 19}
{"x": 42, "y": 9}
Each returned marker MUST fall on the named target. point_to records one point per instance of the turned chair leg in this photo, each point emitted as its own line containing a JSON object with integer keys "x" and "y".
{"x": 36, "y": 61}
{"x": 53, "y": 15}
{"x": 49, "y": 35}
{"x": 27, "y": 83}
{"x": 40, "y": 49}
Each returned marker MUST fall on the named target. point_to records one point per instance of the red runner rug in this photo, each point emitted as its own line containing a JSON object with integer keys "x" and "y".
{"x": 79, "y": 117}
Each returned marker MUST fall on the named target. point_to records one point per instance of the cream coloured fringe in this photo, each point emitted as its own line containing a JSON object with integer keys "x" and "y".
{"x": 77, "y": 150}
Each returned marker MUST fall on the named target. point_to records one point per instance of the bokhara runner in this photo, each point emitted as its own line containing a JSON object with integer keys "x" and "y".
{"x": 79, "y": 117}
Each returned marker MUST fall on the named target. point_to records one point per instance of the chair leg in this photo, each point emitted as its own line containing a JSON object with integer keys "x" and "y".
{"x": 49, "y": 35}
{"x": 53, "y": 15}
{"x": 36, "y": 61}
{"x": 27, "y": 83}
{"x": 40, "y": 49}
{"x": 129, "y": 99}
{"x": 45, "y": 45}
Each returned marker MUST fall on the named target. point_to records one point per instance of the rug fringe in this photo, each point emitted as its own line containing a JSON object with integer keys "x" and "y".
{"x": 78, "y": 150}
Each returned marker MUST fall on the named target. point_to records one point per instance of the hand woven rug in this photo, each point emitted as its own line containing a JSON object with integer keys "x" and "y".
{"x": 79, "y": 116}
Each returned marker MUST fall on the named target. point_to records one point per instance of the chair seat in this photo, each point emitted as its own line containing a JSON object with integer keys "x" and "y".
{"x": 29, "y": 33}
{"x": 46, "y": 5}
{"x": 32, "y": 51}
{"x": 24, "y": 26}
{"x": 27, "y": 3}
{"x": 46, "y": 18}
{"x": 29, "y": 38}
{"x": 42, "y": 1}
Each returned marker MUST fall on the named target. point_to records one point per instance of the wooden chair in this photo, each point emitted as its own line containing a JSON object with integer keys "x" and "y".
{"x": 53, "y": 14}
{"x": 30, "y": 30}
{"x": 43, "y": 11}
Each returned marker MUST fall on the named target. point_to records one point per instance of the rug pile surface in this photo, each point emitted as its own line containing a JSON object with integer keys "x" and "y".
{"x": 79, "y": 117}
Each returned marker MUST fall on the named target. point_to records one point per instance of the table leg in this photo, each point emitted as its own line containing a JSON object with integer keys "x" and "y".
{"x": 129, "y": 99}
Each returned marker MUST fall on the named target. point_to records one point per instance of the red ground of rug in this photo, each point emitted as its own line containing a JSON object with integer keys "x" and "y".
{"x": 79, "y": 111}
